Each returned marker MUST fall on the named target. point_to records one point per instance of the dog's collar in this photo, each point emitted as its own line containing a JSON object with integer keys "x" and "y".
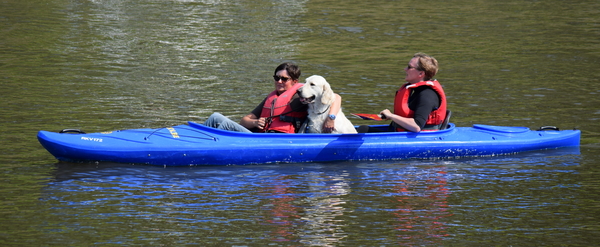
{"x": 326, "y": 109}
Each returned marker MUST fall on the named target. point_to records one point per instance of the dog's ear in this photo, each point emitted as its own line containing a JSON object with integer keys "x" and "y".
{"x": 327, "y": 98}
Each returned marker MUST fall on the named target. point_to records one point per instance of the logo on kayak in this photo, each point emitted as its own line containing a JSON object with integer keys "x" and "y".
{"x": 91, "y": 139}
{"x": 173, "y": 132}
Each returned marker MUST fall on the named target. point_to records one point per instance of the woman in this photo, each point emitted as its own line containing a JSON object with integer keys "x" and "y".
{"x": 420, "y": 104}
{"x": 280, "y": 112}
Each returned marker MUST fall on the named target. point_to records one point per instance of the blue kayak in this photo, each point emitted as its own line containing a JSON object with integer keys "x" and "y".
{"x": 196, "y": 144}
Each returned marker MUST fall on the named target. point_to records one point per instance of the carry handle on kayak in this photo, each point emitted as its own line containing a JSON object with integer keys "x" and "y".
{"x": 543, "y": 128}
{"x": 71, "y": 131}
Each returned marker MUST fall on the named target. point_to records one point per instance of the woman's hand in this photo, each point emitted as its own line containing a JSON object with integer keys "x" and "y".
{"x": 386, "y": 114}
{"x": 328, "y": 125}
{"x": 260, "y": 123}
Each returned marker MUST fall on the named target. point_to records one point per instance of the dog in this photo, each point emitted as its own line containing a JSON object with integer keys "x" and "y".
{"x": 317, "y": 93}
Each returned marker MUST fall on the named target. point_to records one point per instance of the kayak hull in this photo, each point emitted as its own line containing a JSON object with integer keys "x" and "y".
{"x": 195, "y": 144}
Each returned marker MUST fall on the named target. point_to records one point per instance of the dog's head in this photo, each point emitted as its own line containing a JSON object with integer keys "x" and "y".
{"x": 316, "y": 88}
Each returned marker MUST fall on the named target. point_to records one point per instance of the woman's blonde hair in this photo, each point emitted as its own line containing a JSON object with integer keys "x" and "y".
{"x": 427, "y": 64}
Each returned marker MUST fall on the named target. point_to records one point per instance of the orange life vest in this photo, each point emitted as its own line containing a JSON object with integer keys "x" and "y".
{"x": 279, "y": 113}
{"x": 436, "y": 117}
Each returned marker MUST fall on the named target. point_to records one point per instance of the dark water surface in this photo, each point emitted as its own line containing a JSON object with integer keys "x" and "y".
{"x": 103, "y": 65}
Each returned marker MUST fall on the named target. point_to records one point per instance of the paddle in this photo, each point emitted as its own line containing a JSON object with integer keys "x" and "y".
{"x": 367, "y": 116}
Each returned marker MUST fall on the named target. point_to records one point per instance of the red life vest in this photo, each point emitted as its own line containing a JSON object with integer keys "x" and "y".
{"x": 279, "y": 105}
{"x": 436, "y": 117}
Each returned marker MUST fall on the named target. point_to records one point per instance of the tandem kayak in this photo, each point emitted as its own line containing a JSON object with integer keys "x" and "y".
{"x": 196, "y": 144}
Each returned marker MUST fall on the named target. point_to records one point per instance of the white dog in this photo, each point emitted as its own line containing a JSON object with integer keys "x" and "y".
{"x": 317, "y": 93}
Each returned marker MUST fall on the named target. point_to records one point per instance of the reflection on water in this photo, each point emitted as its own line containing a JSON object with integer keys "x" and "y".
{"x": 304, "y": 204}
{"x": 309, "y": 214}
{"x": 410, "y": 203}
{"x": 326, "y": 209}
{"x": 422, "y": 208}
{"x": 280, "y": 211}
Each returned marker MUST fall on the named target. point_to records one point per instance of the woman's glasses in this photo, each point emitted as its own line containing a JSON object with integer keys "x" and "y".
{"x": 411, "y": 67}
{"x": 284, "y": 79}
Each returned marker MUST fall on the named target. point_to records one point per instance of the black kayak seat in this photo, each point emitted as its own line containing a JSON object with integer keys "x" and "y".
{"x": 446, "y": 120}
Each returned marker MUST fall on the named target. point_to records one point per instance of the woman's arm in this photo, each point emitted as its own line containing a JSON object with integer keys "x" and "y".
{"x": 252, "y": 121}
{"x": 329, "y": 124}
{"x": 406, "y": 123}
{"x": 424, "y": 103}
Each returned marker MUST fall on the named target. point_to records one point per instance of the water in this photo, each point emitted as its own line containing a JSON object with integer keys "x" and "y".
{"x": 107, "y": 65}
{"x": 422, "y": 203}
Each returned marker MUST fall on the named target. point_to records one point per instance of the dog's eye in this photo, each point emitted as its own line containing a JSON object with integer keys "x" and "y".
{"x": 312, "y": 83}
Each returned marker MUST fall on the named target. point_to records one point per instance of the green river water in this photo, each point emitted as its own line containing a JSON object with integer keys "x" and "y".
{"x": 102, "y": 65}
